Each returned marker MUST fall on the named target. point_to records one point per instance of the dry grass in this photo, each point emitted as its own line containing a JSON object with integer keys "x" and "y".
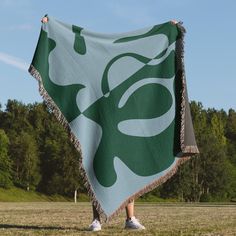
{"x": 160, "y": 219}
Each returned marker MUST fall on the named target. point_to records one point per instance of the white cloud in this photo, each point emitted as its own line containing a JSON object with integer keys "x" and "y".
{"x": 14, "y": 61}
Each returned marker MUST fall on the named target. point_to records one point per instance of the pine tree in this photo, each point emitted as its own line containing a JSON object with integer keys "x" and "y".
{"x": 5, "y": 163}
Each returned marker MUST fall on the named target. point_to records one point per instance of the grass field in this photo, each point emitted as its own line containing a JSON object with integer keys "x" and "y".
{"x": 14, "y": 194}
{"x": 65, "y": 218}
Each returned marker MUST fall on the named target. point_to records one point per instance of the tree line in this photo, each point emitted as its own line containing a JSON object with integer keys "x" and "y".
{"x": 36, "y": 154}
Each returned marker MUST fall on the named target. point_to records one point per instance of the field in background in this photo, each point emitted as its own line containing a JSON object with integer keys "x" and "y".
{"x": 66, "y": 218}
{"x": 14, "y": 194}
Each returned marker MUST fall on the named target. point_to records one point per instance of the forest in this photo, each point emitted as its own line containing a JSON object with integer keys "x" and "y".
{"x": 37, "y": 155}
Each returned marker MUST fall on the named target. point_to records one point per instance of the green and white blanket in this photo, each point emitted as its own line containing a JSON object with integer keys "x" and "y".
{"x": 123, "y": 99}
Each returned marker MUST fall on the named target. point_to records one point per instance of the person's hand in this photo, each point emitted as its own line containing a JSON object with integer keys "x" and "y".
{"x": 174, "y": 22}
{"x": 44, "y": 19}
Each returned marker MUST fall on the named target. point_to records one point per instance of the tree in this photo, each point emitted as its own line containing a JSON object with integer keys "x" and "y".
{"x": 5, "y": 163}
{"x": 15, "y": 118}
{"x": 231, "y": 125}
{"x": 206, "y": 176}
{"x": 71, "y": 173}
{"x": 230, "y": 132}
{"x": 212, "y": 175}
{"x": 60, "y": 163}
{"x": 24, "y": 154}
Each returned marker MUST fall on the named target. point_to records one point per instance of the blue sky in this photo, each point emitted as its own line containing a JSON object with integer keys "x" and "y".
{"x": 210, "y": 42}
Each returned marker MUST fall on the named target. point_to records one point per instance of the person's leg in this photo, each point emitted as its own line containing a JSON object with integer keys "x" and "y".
{"x": 96, "y": 223}
{"x": 130, "y": 210}
{"x": 131, "y": 222}
{"x": 96, "y": 215}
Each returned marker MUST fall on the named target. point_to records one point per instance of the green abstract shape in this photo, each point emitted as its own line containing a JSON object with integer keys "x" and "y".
{"x": 105, "y": 84}
{"x": 61, "y": 95}
{"x": 79, "y": 44}
{"x": 157, "y": 29}
{"x": 153, "y": 71}
{"x": 136, "y": 152}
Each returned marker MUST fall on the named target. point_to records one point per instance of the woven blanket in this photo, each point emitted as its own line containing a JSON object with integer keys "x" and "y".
{"x": 123, "y": 99}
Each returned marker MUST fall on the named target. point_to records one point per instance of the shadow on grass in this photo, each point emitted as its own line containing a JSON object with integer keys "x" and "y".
{"x": 35, "y": 227}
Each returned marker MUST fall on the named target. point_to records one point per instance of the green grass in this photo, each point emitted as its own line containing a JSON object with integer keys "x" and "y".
{"x": 67, "y": 218}
{"x": 152, "y": 198}
{"x": 19, "y": 195}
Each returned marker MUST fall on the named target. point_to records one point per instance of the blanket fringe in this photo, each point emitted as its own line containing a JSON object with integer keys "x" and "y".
{"x": 180, "y": 62}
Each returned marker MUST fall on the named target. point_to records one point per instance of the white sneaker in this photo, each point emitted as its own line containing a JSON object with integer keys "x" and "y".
{"x": 95, "y": 226}
{"x": 133, "y": 223}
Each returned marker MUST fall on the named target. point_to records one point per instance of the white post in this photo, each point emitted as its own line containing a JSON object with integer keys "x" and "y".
{"x": 75, "y": 196}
